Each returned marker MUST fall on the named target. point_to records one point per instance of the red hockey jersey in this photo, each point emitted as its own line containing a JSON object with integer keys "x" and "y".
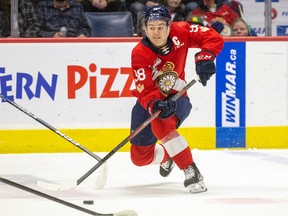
{"x": 156, "y": 76}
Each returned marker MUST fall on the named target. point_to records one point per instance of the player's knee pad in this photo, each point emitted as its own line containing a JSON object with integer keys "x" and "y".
{"x": 142, "y": 155}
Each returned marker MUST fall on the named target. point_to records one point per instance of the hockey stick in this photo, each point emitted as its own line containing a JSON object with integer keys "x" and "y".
{"x": 63, "y": 202}
{"x": 134, "y": 133}
{"x": 102, "y": 175}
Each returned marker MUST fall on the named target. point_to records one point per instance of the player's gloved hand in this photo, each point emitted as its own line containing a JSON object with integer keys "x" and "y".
{"x": 205, "y": 66}
{"x": 167, "y": 108}
{"x": 218, "y": 26}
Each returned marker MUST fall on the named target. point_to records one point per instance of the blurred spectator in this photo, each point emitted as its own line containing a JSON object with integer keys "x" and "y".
{"x": 141, "y": 31}
{"x": 35, "y": 2}
{"x": 240, "y": 28}
{"x": 68, "y": 15}
{"x": 137, "y": 7}
{"x": 176, "y": 9}
{"x": 101, "y": 5}
{"x": 27, "y": 19}
{"x": 213, "y": 10}
{"x": 191, "y": 5}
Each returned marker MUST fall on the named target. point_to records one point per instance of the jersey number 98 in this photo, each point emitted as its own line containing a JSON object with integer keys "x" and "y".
{"x": 140, "y": 75}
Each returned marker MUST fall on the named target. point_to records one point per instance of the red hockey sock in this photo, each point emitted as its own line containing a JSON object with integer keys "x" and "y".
{"x": 183, "y": 159}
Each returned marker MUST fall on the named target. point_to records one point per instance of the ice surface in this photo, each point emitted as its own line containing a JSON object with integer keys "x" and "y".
{"x": 240, "y": 183}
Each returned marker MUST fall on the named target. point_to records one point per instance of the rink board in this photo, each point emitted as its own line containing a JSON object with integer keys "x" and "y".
{"x": 83, "y": 87}
{"x": 100, "y": 140}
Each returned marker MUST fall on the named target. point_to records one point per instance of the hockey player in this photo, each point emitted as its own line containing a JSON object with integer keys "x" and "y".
{"x": 158, "y": 62}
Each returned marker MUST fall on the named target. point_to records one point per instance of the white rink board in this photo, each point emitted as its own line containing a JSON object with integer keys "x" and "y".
{"x": 63, "y": 112}
{"x": 266, "y": 84}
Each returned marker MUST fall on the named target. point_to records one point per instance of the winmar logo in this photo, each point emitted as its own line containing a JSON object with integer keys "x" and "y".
{"x": 230, "y": 102}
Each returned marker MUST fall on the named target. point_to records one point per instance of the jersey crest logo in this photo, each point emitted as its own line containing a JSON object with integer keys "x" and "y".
{"x": 167, "y": 79}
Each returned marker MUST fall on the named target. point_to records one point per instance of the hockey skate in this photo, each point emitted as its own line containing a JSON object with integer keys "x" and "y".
{"x": 194, "y": 180}
{"x": 166, "y": 167}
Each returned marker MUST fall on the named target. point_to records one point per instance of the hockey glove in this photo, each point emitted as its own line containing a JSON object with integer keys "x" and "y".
{"x": 205, "y": 66}
{"x": 167, "y": 108}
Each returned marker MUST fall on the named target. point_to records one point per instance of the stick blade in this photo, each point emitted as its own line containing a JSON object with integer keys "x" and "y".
{"x": 100, "y": 182}
{"x": 102, "y": 176}
{"x": 126, "y": 213}
{"x": 56, "y": 187}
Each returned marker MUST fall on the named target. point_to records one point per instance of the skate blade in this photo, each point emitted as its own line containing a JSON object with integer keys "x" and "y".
{"x": 197, "y": 187}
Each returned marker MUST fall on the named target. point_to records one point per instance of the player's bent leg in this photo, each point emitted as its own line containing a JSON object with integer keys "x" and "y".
{"x": 142, "y": 155}
{"x": 145, "y": 155}
{"x": 165, "y": 130}
{"x": 180, "y": 152}
{"x": 143, "y": 144}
